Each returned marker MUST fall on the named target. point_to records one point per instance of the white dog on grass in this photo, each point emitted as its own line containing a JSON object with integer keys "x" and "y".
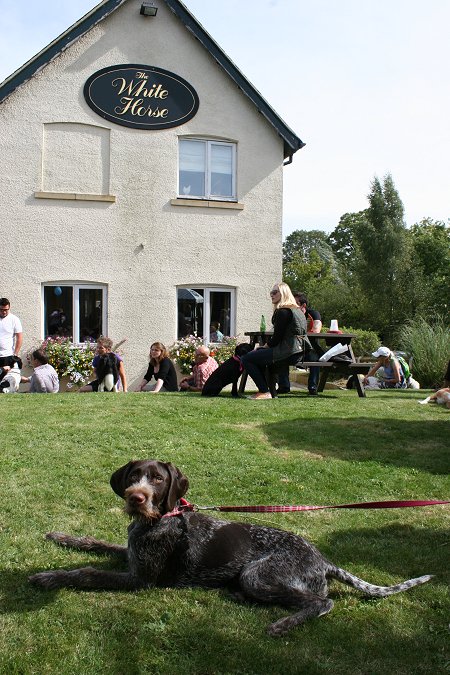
{"x": 11, "y": 378}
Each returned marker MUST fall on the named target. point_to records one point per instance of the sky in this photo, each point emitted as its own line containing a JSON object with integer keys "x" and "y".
{"x": 364, "y": 83}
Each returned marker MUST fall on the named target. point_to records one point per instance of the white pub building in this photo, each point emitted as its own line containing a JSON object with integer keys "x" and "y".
{"x": 142, "y": 184}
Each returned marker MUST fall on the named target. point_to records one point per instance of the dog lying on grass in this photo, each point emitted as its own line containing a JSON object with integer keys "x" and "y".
{"x": 228, "y": 372}
{"x": 187, "y": 549}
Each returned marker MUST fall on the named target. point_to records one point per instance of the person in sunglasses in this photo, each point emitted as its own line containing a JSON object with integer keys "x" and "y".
{"x": 285, "y": 345}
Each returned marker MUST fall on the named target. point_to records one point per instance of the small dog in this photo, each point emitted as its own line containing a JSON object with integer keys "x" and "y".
{"x": 228, "y": 372}
{"x": 10, "y": 376}
{"x": 107, "y": 372}
{"x": 169, "y": 547}
{"x": 441, "y": 397}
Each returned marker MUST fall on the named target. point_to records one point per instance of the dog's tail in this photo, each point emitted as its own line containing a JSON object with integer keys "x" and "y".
{"x": 370, "y": 589}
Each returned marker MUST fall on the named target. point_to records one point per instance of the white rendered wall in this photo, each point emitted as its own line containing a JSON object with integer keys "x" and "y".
{"x": 140, "y": 246}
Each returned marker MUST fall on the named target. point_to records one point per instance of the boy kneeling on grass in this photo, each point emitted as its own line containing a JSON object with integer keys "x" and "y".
{"x": 103, "y": 353}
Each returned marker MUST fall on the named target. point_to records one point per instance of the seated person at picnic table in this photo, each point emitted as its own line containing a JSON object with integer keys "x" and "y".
{"x": 286, "y": 343}
{"x": 393, "y": 376}
{"x": 162, "y": 369}
{"x": 204, "y": 366}
{"x": 313, "y": 325}
{"x": 45, "y": 378}
{"x": 104, "y": 347}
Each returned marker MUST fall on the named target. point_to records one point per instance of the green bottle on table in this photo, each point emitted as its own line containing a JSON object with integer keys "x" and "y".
{"x": 262, "y": 325}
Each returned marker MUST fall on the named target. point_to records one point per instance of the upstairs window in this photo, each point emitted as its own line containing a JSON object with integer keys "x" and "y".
{"x": 207, "y": 169}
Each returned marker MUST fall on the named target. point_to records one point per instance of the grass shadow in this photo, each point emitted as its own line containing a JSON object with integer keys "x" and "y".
{"x": 406, "y": 551}
{"x": 398, "y": 442}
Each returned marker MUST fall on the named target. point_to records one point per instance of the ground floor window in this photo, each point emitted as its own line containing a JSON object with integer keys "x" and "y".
{"x": 76, "y": 311}
{"x": 206, "y": 312}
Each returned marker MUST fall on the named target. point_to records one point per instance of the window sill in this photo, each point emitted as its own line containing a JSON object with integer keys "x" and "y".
{"x": 75, "y": 196}
{"x": 207, "y": 203}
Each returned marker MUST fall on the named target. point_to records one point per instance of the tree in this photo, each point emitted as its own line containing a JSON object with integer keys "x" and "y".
{"x": 343, "y": 241}
{"x": 384, "y": 267}
{"x": 303, "y": 242}
{"x": 305, "y": 274}
{"x": 431, "y": 247}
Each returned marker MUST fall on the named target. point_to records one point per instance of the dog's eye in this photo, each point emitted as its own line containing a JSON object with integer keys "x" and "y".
{"x": 158, "y": 479}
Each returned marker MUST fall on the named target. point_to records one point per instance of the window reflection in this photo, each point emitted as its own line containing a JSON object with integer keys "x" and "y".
{"x": 205, "y": 312}
{"x": 74, "y": 312}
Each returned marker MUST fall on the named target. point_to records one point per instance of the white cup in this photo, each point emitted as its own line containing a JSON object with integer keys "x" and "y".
{"x": 334, "y": 326}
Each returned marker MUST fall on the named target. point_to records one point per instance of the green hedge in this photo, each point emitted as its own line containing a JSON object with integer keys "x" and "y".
{"x": 365, "y": 342}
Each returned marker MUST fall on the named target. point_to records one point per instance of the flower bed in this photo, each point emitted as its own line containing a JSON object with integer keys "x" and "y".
{"x": 182, "y": 352}
{"x": 72, "y": 361}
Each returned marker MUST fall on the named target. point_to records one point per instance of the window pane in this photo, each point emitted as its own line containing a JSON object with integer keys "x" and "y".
{"x": 90, "y": 313}
{"x": 190, "y": 311}
{"x": 220, "y": 311}
{"x": 221, "y": 170}
{"x": 192, "y": 168}
{"x": 58, "y": 302}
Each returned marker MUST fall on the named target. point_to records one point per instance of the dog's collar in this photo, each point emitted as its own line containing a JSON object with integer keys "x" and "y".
{"x": 181, "y": 506}
{"x": 238, "y": 359}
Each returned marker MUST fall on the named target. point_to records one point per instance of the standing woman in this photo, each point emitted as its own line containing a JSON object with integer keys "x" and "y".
{"x": 162, "y": 369}
{"x": 286, "y": 343}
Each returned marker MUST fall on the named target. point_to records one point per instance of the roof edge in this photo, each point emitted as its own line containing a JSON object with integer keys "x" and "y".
{"x": 62, "y": 42}
{"x": 292, "y": 142}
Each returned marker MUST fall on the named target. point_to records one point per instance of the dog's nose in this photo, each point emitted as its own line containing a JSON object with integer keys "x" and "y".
{"x": 137, "y": 498}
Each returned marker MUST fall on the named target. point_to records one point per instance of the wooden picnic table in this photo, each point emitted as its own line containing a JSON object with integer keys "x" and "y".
{"x": 329, "y": 339}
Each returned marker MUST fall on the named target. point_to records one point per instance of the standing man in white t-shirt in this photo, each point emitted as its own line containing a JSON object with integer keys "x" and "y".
{"x": 11, "y": 335}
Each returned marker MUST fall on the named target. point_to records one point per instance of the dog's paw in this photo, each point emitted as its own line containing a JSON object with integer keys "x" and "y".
{"x": 280, "y": 627}
{"x": 48, "y": 580}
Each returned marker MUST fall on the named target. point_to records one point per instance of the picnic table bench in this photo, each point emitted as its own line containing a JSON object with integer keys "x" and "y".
{"x": 348, "y": 368}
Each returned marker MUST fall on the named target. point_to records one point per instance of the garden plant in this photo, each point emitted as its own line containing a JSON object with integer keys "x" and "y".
{"x": 182, "y": 352}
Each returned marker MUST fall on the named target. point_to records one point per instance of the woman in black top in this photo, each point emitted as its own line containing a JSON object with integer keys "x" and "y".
{"x": 286, "y": 343}
{"x": 162, "y": 369}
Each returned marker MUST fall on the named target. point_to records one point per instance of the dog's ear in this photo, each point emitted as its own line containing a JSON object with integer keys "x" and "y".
{"x": 243, "y": 348}
{"x": 179, "y": 485}
{"x": 118, "y": 478}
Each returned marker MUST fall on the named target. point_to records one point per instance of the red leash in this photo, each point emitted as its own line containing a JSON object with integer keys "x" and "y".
{"x": 360, "y": 505}
{"x": 186, "y": 506}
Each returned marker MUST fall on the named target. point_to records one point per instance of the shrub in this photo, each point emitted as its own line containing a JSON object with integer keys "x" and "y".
{"x": 365, "y": 342}
{"x": 225, "y": 350}
{"x": 429, "y": 346}
{"x": 72, "y": 360}
{"x": 182, "y": 352}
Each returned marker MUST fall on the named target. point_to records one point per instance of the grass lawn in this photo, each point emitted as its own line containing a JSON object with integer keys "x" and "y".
{"x": 58, "y": 453}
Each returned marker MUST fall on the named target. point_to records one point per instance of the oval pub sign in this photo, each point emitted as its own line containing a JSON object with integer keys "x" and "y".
{"x": 141, "y": 97}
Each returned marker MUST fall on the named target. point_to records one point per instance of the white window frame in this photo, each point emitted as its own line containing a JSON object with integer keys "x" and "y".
{"x": 76, "y": 287}
{"x": 209, "y": 143}
{"x": 207, "y": 306}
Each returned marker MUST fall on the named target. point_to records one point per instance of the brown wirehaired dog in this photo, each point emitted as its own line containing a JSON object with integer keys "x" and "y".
{"x": 188, "y": 549}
